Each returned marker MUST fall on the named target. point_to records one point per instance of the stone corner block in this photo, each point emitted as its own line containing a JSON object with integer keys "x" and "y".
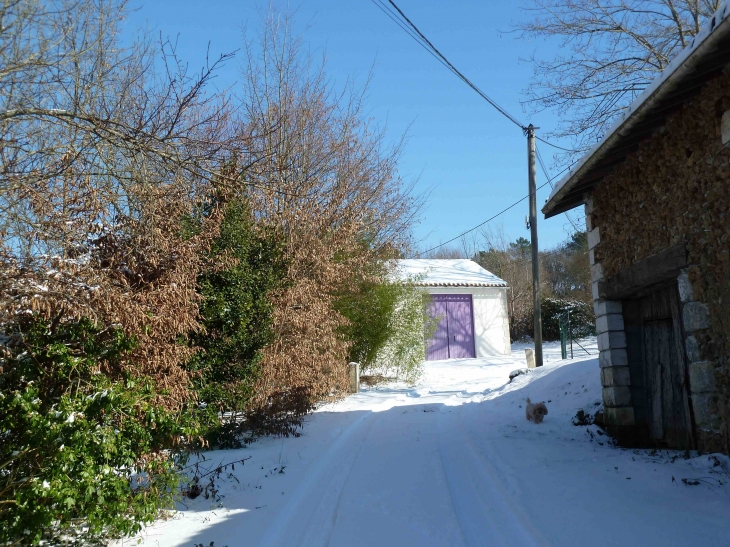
{"x": 615, "y": 376}
{"x": 594, "y": 238}
{"x": 702, "y": 377}
{"x": 615, "y": 339}
{"x": 616, "y": 396}
{"x": 597, "y": 272}
{"x": 610, "y": 322}
{"x": 613, "y": 358}
{"x": 589, "y": 206}
{"x": 622, "y": 416}
{"x": 604, "y": 307}
{"x": 686, "y": 291}
{"x": 596, "y": 290}
{"x": 591, "y": 257}
{"x": 703, "y": 405}
{"x": 695, "y": 316}
{"x": 693, "y": 349}
{"x": 589, "y": 223}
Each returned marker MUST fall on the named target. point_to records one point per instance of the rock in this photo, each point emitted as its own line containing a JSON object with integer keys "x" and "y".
{"x": 515, "y": 373}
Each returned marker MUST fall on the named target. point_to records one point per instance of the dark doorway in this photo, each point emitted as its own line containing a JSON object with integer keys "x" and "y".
{"x": 658, "y": 368}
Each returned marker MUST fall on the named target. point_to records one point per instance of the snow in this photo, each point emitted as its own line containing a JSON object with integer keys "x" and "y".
{"x": 456, "y": 272}
{"x": 452, "y": 461}
{"x": 720, "y": 15}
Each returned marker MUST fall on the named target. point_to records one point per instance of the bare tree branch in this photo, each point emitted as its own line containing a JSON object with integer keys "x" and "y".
{"x": 615, "y": 48}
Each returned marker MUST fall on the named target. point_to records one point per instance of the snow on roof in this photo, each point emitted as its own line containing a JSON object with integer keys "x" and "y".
{"x": 447, "y": 272}
{"x": 681, "y": 68}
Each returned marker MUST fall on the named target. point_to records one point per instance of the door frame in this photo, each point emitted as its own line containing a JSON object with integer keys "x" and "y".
{"x": 445, "y": 297}
{"x": 634, "y": 321}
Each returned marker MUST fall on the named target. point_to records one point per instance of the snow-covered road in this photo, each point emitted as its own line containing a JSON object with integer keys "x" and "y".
{"x": 452, "y": 462}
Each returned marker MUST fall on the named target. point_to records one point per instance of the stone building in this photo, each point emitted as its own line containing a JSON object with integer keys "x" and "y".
{"x": 656, "y": 192}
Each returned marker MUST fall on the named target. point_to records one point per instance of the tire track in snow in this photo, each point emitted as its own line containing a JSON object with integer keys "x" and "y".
{"x": 487, "y": 513}
{"x": 309, "y": 516}
{"x": 504, "y": 478}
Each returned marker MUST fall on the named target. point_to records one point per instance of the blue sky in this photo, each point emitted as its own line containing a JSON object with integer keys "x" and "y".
{"x": 470, "y": 158}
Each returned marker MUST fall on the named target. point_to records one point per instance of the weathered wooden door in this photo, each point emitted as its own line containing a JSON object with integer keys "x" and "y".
{"x": 658, "y": 369}
{"x": 454, "y": 337}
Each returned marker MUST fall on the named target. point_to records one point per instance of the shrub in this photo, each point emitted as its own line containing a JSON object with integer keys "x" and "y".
{"x": 80, "y": 452}
{"x": 236, "y": 313}
{"x": 368, "y": 305}
{"x": 409, "y": 326}
{"x": 582, "y": 320}
{"x": 328, "y": 180}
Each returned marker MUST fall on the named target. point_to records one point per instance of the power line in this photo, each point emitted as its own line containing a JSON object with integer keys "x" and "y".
{"x": 554, "y": 145}
{"x": 408, "y": 31}
{"x": 425, "y": 43}
{"x": 544, "y": 170}
{"x": 491, "y": 218}
{"x": 455, "y": 70}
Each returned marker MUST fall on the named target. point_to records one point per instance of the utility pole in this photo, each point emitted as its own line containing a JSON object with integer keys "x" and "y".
{"x": 533, "y": 236}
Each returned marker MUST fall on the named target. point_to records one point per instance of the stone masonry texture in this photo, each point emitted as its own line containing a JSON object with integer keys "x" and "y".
{"x": 676, "y": 189}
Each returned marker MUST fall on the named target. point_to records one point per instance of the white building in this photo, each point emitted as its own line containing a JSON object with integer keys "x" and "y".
{"x": 472, "y": 305}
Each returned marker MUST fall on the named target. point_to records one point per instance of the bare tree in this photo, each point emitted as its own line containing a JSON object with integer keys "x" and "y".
{"x": 614, "y": 49}
{"x": 510, "y": 261}
{"x": 329, "y": 183}
{"x": 566, "y": 269}
{"x": 104, "y": 149}
{"x": 85, "y": 121}
{"x": 443, "y": 252}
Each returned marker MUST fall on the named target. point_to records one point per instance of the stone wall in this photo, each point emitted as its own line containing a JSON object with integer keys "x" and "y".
{"x": 674, "y": 189}
{"x": 613, "y": 361}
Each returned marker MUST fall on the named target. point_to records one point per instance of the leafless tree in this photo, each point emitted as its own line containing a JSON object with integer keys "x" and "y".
{"x": 329, "y": 182}
{"x": 106, "y": 145}
{"x": 613, "y": 50}
{"x": 511, "y": 262}
{"x": 85, "y": 121}
{"x": 443, "y": 252}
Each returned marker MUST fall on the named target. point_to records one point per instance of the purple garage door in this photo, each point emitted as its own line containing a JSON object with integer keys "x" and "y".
{"x": 454, "y": 337}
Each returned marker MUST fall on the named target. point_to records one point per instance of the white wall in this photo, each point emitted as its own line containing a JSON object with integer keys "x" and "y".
{"x": 491, "y": 324}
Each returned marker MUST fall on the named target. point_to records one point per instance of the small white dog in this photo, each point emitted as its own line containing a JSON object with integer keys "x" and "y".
{"x": 535, "y": 411}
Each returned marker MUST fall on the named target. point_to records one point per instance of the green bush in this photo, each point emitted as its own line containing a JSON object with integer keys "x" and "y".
{"x": 388, "y": 325}
{"x": 409, "y": 327}
{"x": 369, "y": 309}
{"x": 582, "y": 319}
{"x": 81, "y": 453}
{"x": 236, "y": 314}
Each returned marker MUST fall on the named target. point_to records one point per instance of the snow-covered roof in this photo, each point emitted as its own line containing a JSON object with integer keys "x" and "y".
{"x": 699, "y": 62}
{"x": 447, "y": 273}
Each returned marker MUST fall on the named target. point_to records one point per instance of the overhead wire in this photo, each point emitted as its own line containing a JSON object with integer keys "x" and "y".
{"x": 453, "y": 69}
{"x": 554, "y": 145}
{"x": 415, "y": 33}
{"x": 424, "y": 42}
{"x": 544, "y": 170}
{"x": 549, "y": 181}
{"x": 394, "y": 18}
